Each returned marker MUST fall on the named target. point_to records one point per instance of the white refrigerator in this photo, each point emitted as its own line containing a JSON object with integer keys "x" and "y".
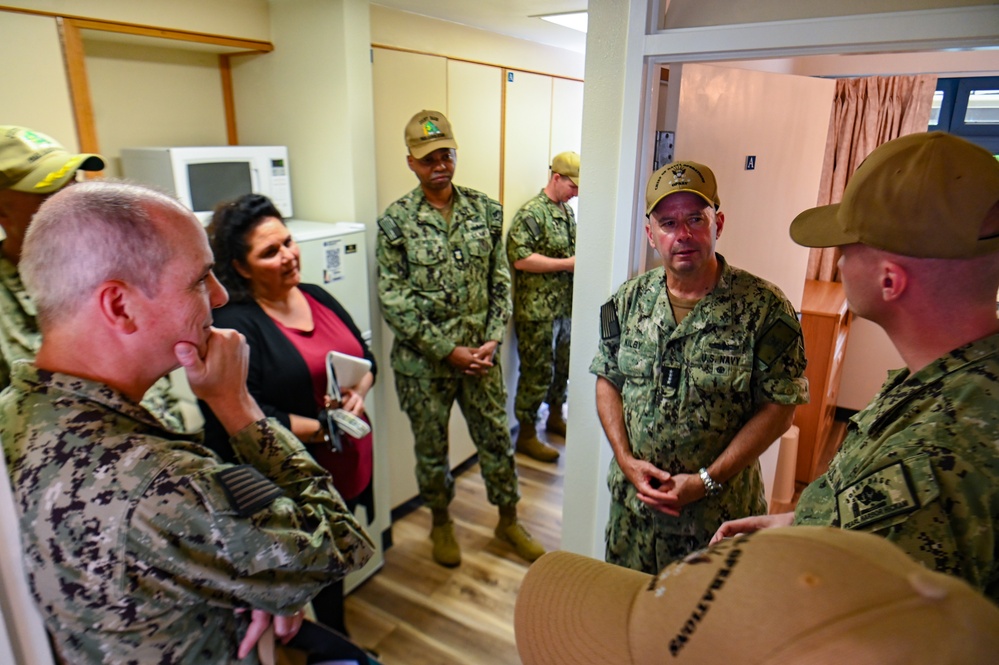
{"x": 334, "y": 256}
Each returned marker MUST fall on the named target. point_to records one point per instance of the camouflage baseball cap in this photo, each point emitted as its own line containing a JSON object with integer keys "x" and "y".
{"x": 681, "y": 177}
{"x": 923, "y": 195}
{"x": 800, "y": 594}
{"x": 428, "y": 131}
{"x": 35, "y": 163}
{"x": 567, "y": 164}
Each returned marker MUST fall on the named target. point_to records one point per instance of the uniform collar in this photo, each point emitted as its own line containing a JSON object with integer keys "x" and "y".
{"x": 901, "y": 387}
{"x": 29, "y": 378}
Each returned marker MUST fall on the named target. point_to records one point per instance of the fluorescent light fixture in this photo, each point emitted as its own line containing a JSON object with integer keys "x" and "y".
{"x": 574, "y": 20}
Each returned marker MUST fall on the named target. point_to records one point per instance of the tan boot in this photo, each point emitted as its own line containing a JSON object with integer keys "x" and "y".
{"x": 555, "y": 423}
{"x": 512, "y": 531}
{"x": 446, "y": 550}
{"x": 529, "y": 444}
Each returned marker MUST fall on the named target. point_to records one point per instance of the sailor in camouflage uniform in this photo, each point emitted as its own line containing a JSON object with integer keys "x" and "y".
{"x": 918, "y": 229}
{"x": 32, "y": 167}
{"x": 541, "y": 246}
{"x": 444, "y": 287}
{"x": 699, "y": 367}
{"x": 140, "y": 546}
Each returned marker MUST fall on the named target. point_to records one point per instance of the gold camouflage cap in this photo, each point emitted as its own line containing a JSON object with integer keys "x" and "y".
{"x": 681, "y": 177}
{"x": 923, "y": 195}
{"x": 428, "y": 131}
{"x": 567, "y": 164}
{"x": 815, "y": 595}
{"x": 36, "y": 163}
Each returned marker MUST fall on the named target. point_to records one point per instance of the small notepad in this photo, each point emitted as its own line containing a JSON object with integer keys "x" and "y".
{"x": 349, "y": 369}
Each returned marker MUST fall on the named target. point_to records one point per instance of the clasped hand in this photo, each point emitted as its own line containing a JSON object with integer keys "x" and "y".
{"x": 473, "y": 361}
{"x": 661, "y": 491}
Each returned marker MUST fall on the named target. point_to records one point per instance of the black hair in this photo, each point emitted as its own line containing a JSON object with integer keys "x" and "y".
{"x": 232, "y": 223}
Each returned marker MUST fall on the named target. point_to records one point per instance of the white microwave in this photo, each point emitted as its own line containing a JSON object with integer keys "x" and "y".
{"x": 201, "y": 177}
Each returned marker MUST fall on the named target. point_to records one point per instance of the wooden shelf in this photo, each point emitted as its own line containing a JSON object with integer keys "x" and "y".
{"x": 825, "y": 325}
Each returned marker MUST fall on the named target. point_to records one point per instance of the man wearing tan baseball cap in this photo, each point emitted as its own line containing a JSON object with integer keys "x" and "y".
{"x": 699, "y": 368}
{"x": 919, "y": 231}
{"x": 785, "y": 596}
{"x": 34, "y": 166}
{"x": 541, "y": 246}
{"x": 444, "y": 288}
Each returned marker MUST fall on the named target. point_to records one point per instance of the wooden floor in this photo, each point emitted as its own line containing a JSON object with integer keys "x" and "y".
{"x": 415, "y": 612}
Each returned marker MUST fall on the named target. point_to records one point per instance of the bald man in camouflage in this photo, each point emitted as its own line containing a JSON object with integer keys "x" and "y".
{"x": 699, "y": 368}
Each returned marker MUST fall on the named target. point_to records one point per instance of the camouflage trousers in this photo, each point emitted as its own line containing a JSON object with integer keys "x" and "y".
{"x": 543, "y": 347}
{"x": 427, "y": 402}
{"x": 634, "y": 541}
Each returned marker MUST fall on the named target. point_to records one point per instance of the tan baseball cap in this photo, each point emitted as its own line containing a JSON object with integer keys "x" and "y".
{"x": 567, "y": 164}
{"x": 815, "y": 595}
{"x": 428, "y": 131}
{"x": 33, "y": 162}
{"x": 924, "y": 195}
{"x": 681, "y": 177}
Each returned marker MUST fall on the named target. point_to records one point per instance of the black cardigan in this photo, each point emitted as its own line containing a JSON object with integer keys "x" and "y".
{"x": 278, "y": 377}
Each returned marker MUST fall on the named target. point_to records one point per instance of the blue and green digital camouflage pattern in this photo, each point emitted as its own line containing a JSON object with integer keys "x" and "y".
{"x": 686, "y": 391}
{"x": 20, "y": 339}
{"x": 920, "y": 466}
{"x": 133, "y": 549}
{"x": 443, "y": 285}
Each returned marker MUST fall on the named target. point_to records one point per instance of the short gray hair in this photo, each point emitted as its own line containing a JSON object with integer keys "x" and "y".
{"x": 88, "y": 234}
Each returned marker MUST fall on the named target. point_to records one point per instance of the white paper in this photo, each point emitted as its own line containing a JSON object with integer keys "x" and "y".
{"x": 349, "y": 369}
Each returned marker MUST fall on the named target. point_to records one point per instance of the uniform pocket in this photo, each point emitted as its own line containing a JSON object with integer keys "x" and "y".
{"x": 427, "y": 265}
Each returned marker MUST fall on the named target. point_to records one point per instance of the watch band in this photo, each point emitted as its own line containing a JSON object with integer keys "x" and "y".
{"x": 711, "y": 487}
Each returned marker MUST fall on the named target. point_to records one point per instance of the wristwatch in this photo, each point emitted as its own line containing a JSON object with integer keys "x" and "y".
{"x": 711, "y": 487}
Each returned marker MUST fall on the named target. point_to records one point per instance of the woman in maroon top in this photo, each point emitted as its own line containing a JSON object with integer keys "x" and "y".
{"x": 290, "y": 327}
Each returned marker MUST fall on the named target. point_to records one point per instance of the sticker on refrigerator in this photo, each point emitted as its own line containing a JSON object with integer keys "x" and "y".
{"x": 333, "y": 270}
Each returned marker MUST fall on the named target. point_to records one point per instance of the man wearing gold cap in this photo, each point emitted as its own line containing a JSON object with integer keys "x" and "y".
{"x": 699, "y": 368}
{"x": 33, "y": 166}
{"x": 919, "y": 231}
{"x": 541, "y": 246}
{"x": 444, "y": 287}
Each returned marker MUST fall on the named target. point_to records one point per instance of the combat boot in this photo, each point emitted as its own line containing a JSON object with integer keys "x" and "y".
{"x": 529, "y": 444}
{"x": 512, "y": 531}
{"x": 555, "y": 423}
{"x": 446, "y": 550}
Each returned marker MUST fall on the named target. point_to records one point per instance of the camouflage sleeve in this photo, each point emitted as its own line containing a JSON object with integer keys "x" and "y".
{"x": 520, "y": 240}
{"x": 197, "y": 531}
{"x": 396, "y": 296}
{"x": 500, "y": 299}
{"x": 779, "y": 373}
{"x": 605, "y": 361}
{"x": 930, "y": 501}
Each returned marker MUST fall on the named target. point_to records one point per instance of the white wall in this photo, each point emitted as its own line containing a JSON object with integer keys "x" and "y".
{"x": 35, "y": 96}
{"x": 390, "y": 27}
{"x": 727, "y": 114}
{"x": 175, "y": 93}
{"x": 246, "y": 19}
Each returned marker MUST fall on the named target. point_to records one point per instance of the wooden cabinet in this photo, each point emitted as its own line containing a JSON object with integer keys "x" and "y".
{"x": 825, "y": 323}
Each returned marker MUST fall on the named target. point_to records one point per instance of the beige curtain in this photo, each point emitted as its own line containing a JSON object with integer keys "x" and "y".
{"x": 866, "y": 113}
